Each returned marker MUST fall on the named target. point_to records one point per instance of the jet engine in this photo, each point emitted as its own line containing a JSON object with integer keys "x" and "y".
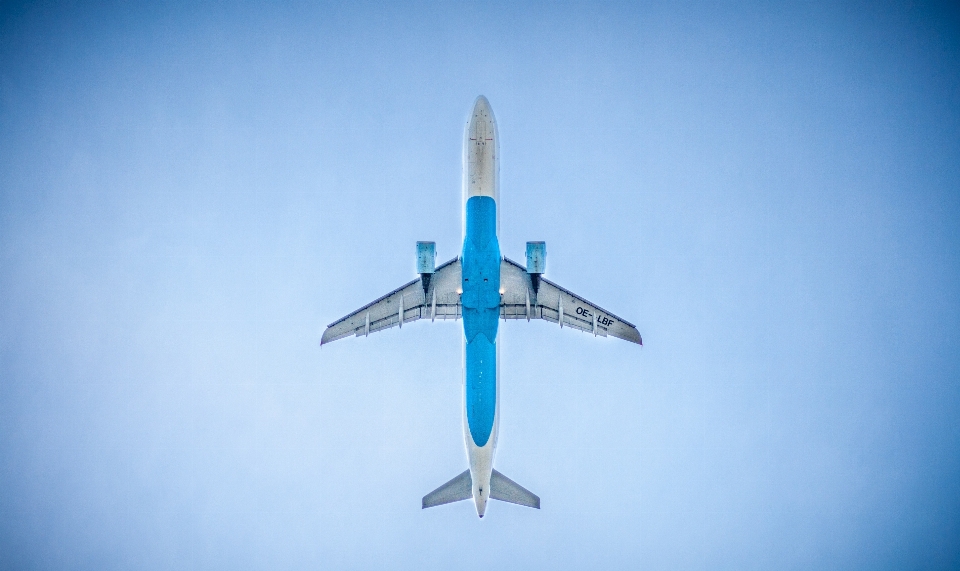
{"x": 426, "y": 262}
{"x": 536, "y": 262}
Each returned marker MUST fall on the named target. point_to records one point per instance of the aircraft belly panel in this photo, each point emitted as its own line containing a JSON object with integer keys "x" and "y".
{"x": 481, "y": 388}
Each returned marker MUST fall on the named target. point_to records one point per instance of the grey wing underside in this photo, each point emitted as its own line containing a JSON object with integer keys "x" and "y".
{"x": 410, "y": 302}
{"x": 441, "y": 300}
{"x": 458, "y": 489}
{"x": 557, "y": 305}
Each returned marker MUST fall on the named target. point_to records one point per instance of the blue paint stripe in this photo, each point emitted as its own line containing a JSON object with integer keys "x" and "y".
{"x": 480, "y": 262}
{"x": 481, "y": 388}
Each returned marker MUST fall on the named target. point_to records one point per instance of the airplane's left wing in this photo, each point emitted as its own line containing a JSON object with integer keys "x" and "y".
{"x": 550, "y": 302}
{"x": 440, "y": 299}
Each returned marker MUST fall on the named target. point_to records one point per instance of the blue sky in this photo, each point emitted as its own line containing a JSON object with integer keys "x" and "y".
{"x": 190, "y": 193}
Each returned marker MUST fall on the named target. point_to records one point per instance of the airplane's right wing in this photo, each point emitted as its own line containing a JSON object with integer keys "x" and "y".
{"x": 409, "y": 302}
{"x": 551, "y": 302}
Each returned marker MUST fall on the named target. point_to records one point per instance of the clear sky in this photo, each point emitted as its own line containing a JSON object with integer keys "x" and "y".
{"x": 190, "y": 193}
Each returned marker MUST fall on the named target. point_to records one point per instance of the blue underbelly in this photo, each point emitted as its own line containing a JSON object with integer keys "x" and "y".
{"x": 481, "y": 388}
{"x": 480, "y": 262}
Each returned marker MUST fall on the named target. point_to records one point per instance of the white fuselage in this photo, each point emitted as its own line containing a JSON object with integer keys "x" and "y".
{"x": 481, "y": 175}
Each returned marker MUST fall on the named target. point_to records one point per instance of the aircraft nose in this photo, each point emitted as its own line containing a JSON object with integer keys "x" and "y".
{"x": 482, "y": 116}
{"x": 481, "y": 105}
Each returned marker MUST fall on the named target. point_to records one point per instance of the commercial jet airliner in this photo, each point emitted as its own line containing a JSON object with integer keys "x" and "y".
{"x": 481, "y": 287}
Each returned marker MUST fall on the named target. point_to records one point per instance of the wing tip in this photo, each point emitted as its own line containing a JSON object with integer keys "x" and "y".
{"x": 326, "y": 337}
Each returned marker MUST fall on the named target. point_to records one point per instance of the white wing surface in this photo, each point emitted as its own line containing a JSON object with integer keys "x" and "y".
{"x": 557, "y": 305}
{"x": 410, "y": 302}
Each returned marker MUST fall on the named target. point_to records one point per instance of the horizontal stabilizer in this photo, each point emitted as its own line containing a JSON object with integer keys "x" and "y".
{"x": 457, "y": 489}
{"x": 506, "y": 490}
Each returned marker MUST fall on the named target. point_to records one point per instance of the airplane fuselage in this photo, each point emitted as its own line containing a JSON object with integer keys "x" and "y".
{"x": 480, "y": 298}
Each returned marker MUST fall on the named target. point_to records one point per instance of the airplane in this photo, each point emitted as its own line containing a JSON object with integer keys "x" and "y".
{"x": 481, "y": 286}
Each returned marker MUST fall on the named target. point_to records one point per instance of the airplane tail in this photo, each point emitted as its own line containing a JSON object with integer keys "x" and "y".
{"x": 501, "y": 488}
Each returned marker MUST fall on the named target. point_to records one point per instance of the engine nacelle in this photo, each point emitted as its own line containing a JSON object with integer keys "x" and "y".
{"x": 426, "y": 262}
{"x": 536, "y": 262}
